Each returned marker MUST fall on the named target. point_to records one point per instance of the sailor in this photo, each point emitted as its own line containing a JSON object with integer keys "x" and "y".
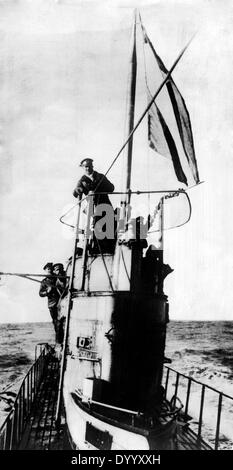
{"x": 98, "y": 183}
{"x": 48, "y": 289}
{"x": 61, "y": 283}
{"x": 93, "y": 181}
{"x": 58, "y": 270}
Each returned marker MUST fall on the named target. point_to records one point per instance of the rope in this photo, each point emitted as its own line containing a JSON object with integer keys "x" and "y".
{"x": 102, "y": 256}
{"x": 123, "y": 259}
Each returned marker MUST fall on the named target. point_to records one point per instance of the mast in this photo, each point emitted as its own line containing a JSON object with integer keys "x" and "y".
{"x": 131, "y": 107}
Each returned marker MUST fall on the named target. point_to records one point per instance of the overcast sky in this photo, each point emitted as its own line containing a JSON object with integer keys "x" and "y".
{"x": 63, "y": 78}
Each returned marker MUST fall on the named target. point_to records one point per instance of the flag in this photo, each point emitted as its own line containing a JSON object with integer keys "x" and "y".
{"x": 181, "y": 116}
{"x": 161, "y": 140}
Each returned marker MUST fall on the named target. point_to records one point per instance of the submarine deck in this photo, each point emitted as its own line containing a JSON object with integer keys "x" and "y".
{"x": 41, "y": 432}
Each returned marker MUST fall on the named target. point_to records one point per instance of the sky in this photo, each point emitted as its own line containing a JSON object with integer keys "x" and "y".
{"x": 63, "y": 81}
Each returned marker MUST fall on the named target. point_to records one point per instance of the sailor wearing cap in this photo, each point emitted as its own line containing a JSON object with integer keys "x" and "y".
{"x": 48, "y": 267}
{"x": 87, "y": 163}
{"x": 58, "y": 266}
{"x": 48, "y": 289}
{"x": 93, "y": 181}
{"x": 61, "y": 283}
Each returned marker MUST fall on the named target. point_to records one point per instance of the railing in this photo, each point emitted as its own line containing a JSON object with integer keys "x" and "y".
{"x": 12, "y": 429}
{"x": 125, "y": 209}
{"x": 195, "y": 396}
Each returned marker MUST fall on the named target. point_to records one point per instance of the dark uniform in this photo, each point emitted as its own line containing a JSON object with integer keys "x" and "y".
{"x": 98, "y": 183}
{"x": 53, "y": 295}
{"x": 61, "y": 284}
{"x": 48, "y": 289}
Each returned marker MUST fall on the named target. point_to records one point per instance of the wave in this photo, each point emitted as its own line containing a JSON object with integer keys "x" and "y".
{"x": 11, "y": 360}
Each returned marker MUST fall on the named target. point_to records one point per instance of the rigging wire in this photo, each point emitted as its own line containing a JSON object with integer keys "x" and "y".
{"x": 124, "y": 263}
{"x": 106, "y": 269}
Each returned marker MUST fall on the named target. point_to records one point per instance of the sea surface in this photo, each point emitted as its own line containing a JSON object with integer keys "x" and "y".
{"x": 202, "y": 350}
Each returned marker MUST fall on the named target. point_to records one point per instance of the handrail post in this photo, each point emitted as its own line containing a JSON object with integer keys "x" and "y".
{"x": 4, "y": 439}
{"x": 28, "y": 400}
{"x": 86, "y": 237}
{"x": 24, "y": 401}
{"x": 167, "y": 379}
{"x": 187, "y": 396}
{"x": 69, "y": 306}
{"x": 218, "y": 421}
{"x": 9, "y": 428}
{"x": 20, "y": 414}
{"x": 201, "y": 410}
{"x": 177, "y": 383}
{"x": 31, "y": 391}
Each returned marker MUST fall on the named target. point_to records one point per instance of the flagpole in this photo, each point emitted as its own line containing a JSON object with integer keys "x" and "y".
{"x": 131, "y": 107}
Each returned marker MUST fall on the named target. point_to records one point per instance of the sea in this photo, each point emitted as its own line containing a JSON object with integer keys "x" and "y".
{"x": 202, "y": 350}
